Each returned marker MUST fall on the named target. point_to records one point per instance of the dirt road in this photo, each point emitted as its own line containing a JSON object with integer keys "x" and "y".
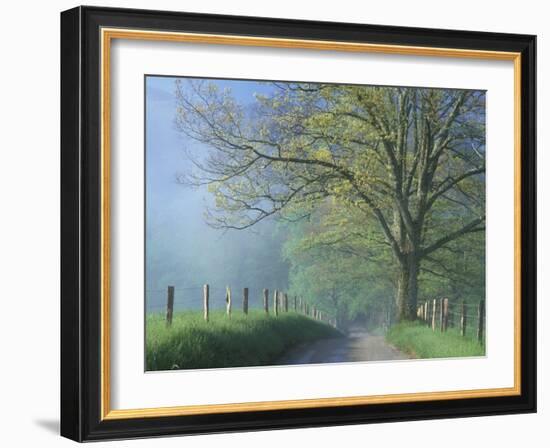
{"x": 358, "y": 346}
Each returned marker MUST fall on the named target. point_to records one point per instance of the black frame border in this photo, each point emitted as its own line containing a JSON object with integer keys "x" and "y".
{"x": 81, "y": 223}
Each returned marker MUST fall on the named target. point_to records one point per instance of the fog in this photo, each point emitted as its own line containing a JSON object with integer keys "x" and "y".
{"x": 181, "y": 249}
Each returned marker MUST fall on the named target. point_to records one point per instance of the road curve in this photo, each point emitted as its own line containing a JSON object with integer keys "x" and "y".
{"x": 357, "y": 346}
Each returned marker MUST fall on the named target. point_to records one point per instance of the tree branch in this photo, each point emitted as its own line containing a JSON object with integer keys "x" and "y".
{"x": 468, "y": 228}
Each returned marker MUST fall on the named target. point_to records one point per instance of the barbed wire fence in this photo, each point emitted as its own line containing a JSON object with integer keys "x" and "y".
{"x": 442, "y": 314}
{"x": 208, "y": 298}
{"x": 439, "y": 314}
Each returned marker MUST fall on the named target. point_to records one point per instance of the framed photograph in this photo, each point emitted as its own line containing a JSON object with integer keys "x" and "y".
{"x": 272, "y": 223}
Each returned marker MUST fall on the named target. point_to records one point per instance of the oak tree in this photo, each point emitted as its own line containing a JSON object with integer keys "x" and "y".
{"x": 409, "y": 160}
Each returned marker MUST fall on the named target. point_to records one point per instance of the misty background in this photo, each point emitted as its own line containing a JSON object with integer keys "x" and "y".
{"x": 181, "y": 249}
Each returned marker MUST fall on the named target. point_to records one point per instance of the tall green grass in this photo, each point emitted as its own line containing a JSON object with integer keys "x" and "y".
{"x": 420, "y": 341}
{"x": 254, "y": 340}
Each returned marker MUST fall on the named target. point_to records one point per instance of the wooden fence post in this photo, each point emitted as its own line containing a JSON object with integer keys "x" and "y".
{"x": 228, "y": 301}
{"x": 480, "y": 320}
{"x": 445, "y": 322}
{"x": 426, "y": 312}
{"x": 206, "y": 298}
{"x": 463, "y": 319}
{"x": 266, "y": 300}
{"x": 295, "y": 303}
{"x": 441, "y": 315}
{"x": 286, "y": 302}
{"x": 170, "y": 306}
{"x": 275, "y": 303}
{"x": 434, "y": 310}
{"x": 245, "y": 300}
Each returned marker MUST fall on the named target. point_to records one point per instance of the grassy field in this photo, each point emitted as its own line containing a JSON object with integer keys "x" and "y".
{"x": 420, "y": 341}
{"x": 253, "y": 340}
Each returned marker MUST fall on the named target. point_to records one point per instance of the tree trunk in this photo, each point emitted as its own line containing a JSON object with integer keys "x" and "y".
{"x": 407, "y": 287}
